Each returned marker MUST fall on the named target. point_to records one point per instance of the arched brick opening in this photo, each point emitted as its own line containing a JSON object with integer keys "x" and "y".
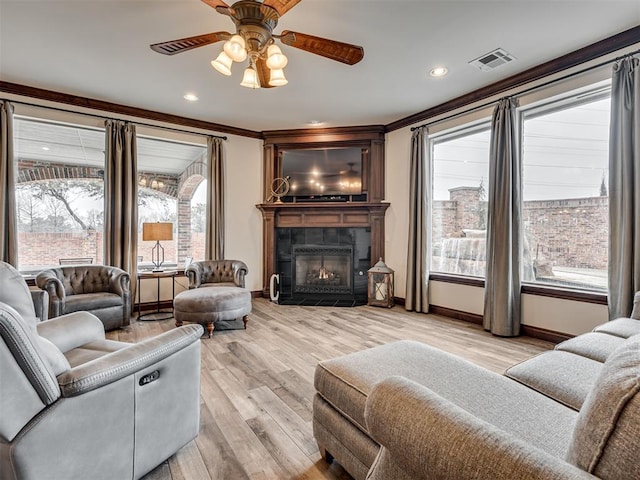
{"x": 188, "y": 183}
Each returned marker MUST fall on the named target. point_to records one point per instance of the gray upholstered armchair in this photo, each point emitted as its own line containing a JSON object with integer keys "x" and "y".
{"x": 76, "y": 405}
{"x": 99, "y": 289}
{"x": 216, "y": 272}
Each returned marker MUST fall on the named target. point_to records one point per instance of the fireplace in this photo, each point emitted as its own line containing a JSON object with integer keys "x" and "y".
{"x": 323, "y": 266}
{"x": 322, "y": 269}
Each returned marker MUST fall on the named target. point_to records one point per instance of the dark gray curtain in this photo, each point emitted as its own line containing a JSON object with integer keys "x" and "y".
{"x": 214, "y": 242}
{"x": 417, "y": 294}
{"x": 121, "y": 199}
{"x": 502, "y": 285}
{"x": 8, "y": 220}
{"x": 624, "y": 187}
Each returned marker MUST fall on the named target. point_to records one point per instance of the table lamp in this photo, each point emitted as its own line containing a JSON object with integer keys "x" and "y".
{"x": 155, "y": 232}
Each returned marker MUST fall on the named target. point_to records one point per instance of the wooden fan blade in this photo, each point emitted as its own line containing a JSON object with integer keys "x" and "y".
{"x": 281, "y": 6}
{"x": 215, "y": 3}
{"x": 183, "y": 44}
{"x": 338, "y": 51}
{"x": 263, "y": 73}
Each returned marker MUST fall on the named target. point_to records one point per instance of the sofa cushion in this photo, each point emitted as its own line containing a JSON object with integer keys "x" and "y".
{"x": 346, "y": 382}
{"x": 606, "y": 439}
{"x": 93, "y": 350}
{"x": 92, "y": 301}
{"x": 563, "y": 376}
{"x": 594, "y": 345}
{"x": 620, "y": 327}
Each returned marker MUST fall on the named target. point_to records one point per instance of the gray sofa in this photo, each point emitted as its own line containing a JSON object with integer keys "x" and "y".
{"x": 74, "y": 405}
{"x": 406, "y": 411}
{"x": 102, "y": 290}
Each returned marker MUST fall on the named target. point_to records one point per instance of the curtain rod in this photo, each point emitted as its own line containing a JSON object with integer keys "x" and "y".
{"x": 526, "y": 90}
{"x": 101, "y": 117}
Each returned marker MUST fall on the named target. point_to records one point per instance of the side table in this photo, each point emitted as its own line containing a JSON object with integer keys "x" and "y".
{"x": 158, "y": 276}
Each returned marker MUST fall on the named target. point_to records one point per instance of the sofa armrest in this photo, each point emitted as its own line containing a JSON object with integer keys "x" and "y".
{"x": 122, "y": 363}
{"x": 40, "y": 304}
{"x": 47, "y": 280}
{"x": 120, "y": 283}
{"x": 430, "y": 437}
{"x": 72, "y": 330}
{"x": 240, "y": 271}
{"x": 194, "y": 274}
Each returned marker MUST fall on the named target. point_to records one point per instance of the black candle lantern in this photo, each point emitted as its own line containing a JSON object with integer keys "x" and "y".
{"x": 380, "y": 280}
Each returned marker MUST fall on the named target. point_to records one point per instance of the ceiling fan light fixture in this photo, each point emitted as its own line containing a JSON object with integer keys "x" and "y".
{"x": 222, "y": 64}
{"x": 235, "y": 48}
{"x": 276, "y": 60}
{"x": 250, "y": 78}
{"x": 277, "y": 78}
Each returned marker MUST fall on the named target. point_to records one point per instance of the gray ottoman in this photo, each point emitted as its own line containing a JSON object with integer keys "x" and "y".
{"x": 208, "y": 305}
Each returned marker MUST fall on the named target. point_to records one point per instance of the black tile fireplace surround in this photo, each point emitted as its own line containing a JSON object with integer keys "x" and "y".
{"x": 323, "y": 266}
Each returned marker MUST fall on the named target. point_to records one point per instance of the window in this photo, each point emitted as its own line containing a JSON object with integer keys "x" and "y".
{"x": 169, "y": 172}
{"x": 59, "y": 194}
{"x": 199, "y": 221}
{"x": 459, "y": 203}
{"x": 565, "y": 176}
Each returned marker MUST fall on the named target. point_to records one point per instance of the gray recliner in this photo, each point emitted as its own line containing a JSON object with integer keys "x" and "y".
{"x": 100, "y": 289}
{"x": 216, "y": 272}
{"x": 74, "y": 405}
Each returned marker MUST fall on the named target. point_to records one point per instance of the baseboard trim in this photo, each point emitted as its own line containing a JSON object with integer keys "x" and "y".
{"x": 544, "y": 334}
{"x": 528, "y": 330}
{"x": 457, "y": 314}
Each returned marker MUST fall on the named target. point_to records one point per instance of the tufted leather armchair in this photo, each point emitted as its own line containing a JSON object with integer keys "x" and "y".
{"x": 207, "y": 273}
{"x": 75, "y": 405}
{"x": 99, "y": 289}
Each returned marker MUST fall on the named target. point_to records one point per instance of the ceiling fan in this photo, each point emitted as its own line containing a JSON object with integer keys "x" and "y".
{"x": 254, "y": 39}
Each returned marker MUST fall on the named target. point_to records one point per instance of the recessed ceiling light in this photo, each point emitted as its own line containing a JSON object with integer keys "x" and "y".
{"x": 315, "y": 123}
{"x": 191, "y": 97}
{"x": 438, "y": 72}
{"x": 45, "y": 148}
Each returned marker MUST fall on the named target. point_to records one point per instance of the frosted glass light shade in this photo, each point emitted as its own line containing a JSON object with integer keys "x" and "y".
{"x": 222, "y": 64}
{"x": 250, "y": 78}
{"x": 235, "y": 49}
{"x": 277, "y": 78}
{"x": 275, "y": 58}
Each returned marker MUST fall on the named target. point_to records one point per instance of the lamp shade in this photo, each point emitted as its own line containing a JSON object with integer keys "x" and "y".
{"x": 222, "y": 64}
{"x": 275, "y": 58}
{"x": 235, "y": 49}
{"x": 250, "y": 78}
{"x": 157, "y": 231}
{"x": 277, "y": 78}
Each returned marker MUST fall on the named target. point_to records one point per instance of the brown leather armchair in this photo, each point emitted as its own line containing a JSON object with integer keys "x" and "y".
{"x": 100, "y": 289}
{"x": 216, "y": 272}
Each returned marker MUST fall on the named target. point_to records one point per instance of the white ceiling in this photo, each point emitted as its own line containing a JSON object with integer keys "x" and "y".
{"x": 100, "y": 49}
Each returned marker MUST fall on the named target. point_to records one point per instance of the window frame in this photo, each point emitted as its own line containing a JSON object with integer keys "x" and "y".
{"x": 557, "y": 103}
{"x": 454, "y": 133}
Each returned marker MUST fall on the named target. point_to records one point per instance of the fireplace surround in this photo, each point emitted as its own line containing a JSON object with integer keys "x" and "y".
{"x": 323, "y": 266}
{"x": 327, "y": 221}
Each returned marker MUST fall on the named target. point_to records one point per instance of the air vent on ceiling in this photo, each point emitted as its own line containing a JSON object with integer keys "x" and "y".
{"x": 492, "y": 60}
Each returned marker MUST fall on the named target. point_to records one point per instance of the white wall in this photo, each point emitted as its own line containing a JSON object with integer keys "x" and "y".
{"x": 398, "y": 150}
{"x": 243, "y": 236}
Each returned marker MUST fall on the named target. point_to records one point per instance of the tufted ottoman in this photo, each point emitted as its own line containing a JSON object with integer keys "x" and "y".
{"x": 209, "y": 305}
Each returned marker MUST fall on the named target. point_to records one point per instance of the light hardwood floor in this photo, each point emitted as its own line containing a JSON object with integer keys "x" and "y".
{"x": 257, "y": 384}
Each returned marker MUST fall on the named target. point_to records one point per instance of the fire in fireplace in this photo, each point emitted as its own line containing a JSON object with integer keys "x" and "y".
{"x": 322, "y": 269}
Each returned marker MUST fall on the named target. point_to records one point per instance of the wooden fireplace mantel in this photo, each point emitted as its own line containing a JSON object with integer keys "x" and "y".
{"x": 319, "y": 214}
